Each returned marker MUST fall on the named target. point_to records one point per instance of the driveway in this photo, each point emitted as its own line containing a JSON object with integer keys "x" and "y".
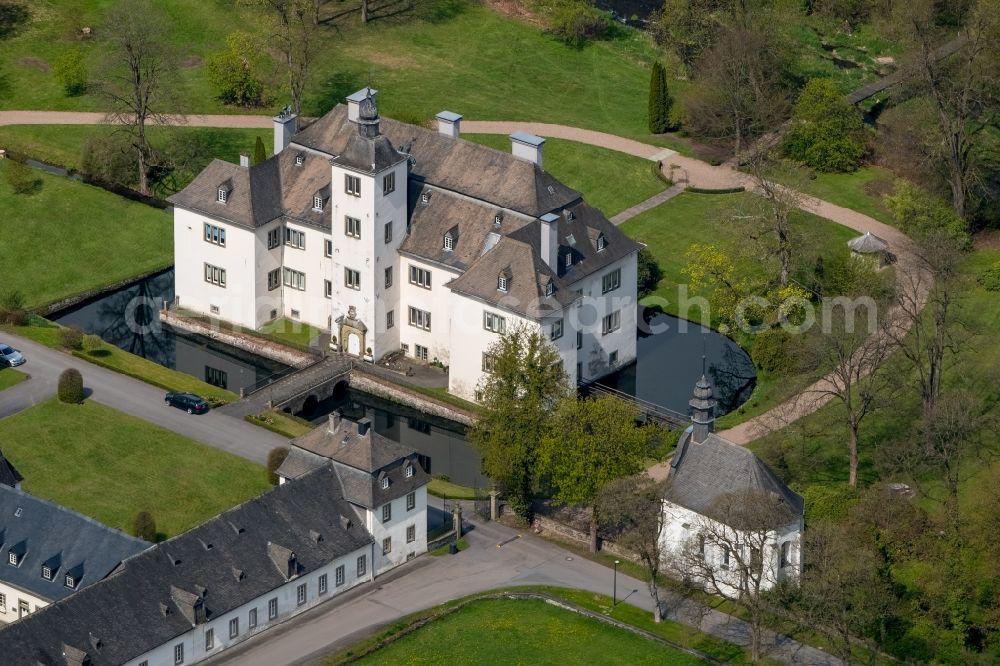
{"x": 132, "y": 397}
{"x": 497, "y": 557}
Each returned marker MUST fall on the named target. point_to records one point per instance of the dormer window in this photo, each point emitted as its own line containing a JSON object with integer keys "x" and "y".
{"x": 425, "y": 198}
{"x": 223, "y": 194}
{"x": 408, "y": 473}
{"x": 70, "y": 581}
{"x": 569, "y": 259}
{"x": 300, "y": 159}
{"x": 449, "y": 242}
{"x": 385, "y": 483}
{"x": 549, "y": 289}
{"x": 12, "y": 558}
{"x": 46, "y": 572}
{"x": 602, "y": 242}
{"x": 318, "y": 203}
{"x": 502, "y": 283}
{"x": 498, "y": 219}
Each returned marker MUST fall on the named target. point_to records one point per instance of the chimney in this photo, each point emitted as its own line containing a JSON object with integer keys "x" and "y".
{"x": 245, "y": 160}
{"x": 550, "y": 241}
{"x": 285, "y": 126}
{"x": 354, "y": 102}
{"x": 527, "y": 147}
{"x": 334, "y": 422}
{"x": 364, "y": 425}
{"x": 449, "y": 124}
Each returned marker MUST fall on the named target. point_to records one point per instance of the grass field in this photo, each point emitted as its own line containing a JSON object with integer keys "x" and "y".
{"x": 608, "y": 179}
{"x": 68, "y": 237}
{"x": 861, "y": 191}
{"x": 524, "y": 632}
{"x": 290, "y": 331}
{"x": 113, "y": 358}
{"x": 109, "y": 465}
{"x": 10, "y": 377}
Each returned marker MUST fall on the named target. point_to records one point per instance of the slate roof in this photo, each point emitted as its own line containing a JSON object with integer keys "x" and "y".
{"x": 9, "y": 476}
{"x": 220, "y": 565}
{"x": 702, "y": 474}
{"x": 362, "y": 458}
{"x": 461, "y": 166}
{"x": 868, "y": 243}
{"x": 43, "y": 533}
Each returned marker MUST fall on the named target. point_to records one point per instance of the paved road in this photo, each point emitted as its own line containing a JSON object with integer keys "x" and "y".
{"x": 496, "y": 558}
{"x": 132, "y": 397}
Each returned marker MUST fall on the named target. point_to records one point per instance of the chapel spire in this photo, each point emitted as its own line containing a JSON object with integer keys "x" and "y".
{"x": 702, "y": 408}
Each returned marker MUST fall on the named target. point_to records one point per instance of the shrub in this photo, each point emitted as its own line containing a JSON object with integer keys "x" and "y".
{"x": 71, "y": 72}
{"x": 990, "y": 278}
{"x": 275, "y": 458}
{"x": 259, "y": 152}
{"x": 827, "y": 133}
{"x": 769, "y": 351}
{"x": 92, "y": 343}
{"x": 234, "y": 71}
{"x": 12, "y": 308}
{"x": 649, "y": 272}
{"x": 21, "y": 178}
{"x": 576, "y": 21}
{"x": 660, "y": 102}
{"x": 70, "y": 338}
{"x": 109, "y": 158}
{"x": 824, "y": 502}
{"x": 70, "y": 386}
{"x": 144, "y": 527}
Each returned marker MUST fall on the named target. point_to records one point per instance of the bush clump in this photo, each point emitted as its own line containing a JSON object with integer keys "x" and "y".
{"x": 12, "y": 310}
{"x": 70, "y": 386}
{"x": 827, "y": 132}
{"x": 576, "y": 22}
{"x": 144, "y": 526}
{"x": 990, "y": 278}
{"x": 275, "y": 458}
{"x": 71, "y": 72}
{"x": 21, "y": 178}
{"x": 769, "y": 351}
{"x": 92, "y": 343}
{"x": 70, "y": 338}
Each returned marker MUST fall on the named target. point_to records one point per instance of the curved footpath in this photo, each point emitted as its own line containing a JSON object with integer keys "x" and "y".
{"x": 684, "y": 171}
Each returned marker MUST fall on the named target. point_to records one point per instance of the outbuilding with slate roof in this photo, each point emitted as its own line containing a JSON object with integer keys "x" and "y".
{"x": 708, "y": 477}
{"x": 397, "y": 238}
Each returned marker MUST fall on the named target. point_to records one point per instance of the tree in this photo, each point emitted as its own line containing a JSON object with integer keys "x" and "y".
{"x": 275, "y": 458}
{"x": 769, "y": 227}
{"x": 70, "y": 386}
{"x": 235, "y": 71}
{"x": 136, "y": 81}
{"x": 70, "y": 70}
{"x": 731, "y": 554}
{"x": 827, "y": 132}
{"x": 842, "y": 593}
{"x": 688, "y": 27}
{"x": 294, "y": 35}
{"x": 940, "y": 242}
{"x": 660, "y": 102}
{"x": 523, "y": 387}
{"x": 590, "y": 443}
{"x": 144, "y": 527}
{"x": 648, "y": 271}
{"x": 961, "y": 89}
{"x": 259, "y": 152}
{"x": 738, "y": 91}
{"x": 856, "y": 351}
{"x": 630, "y": 510}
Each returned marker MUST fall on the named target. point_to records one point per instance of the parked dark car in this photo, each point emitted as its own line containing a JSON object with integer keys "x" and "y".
{"x": 187, "y": 401}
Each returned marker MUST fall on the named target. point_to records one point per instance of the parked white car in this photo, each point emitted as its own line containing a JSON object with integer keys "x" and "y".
{"x": 10, "y": 356}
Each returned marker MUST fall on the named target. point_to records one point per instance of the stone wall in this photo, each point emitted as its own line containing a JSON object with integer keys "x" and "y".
{"x": 248, "y": 343}
{"x": 543, "y": 524}
{"x": 384, "y": 388}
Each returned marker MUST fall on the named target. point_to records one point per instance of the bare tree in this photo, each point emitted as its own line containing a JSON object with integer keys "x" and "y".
{"x": 136, "y": 79}
{"x": 733, "y": 553}
{"x": 294, "y": 34}
{"x": 841, "y": 593}
{"x": 856, "y": 349}
{"x": 961, "y": 87}
{"x": 771, "y": 229}
{"x": 630, "y": 512}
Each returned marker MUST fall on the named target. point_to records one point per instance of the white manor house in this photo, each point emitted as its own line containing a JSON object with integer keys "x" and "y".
{"x": 395, "y": 237}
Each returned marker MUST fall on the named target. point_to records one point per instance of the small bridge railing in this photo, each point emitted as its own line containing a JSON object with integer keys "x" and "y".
{"x": 649, "y": 410}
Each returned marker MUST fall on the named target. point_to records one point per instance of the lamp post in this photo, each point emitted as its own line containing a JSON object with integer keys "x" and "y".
{"x": 614, "y": 593}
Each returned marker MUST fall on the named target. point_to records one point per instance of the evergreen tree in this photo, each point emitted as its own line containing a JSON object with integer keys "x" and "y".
{"x": 659, "y": 100}
{"x": 259, "y": 153}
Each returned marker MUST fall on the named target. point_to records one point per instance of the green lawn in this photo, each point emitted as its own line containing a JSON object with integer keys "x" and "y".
{"x": 9, "y": 377}
{"x": 690, "y": 218}
{"x": 109, "y": 465}
{"x": 289, "y": 331}
{"x": 119, "y": 360}
{"x": 861, "y": 191}
{"x": 68, "y": 237}
{"x": 608, "y": 179}
{"x": 447, "y": 489}
{"x": 524, "y": 632}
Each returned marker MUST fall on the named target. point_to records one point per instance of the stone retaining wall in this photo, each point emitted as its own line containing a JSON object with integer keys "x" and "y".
{"x": 542, "y": 524}
{"x": 384, "y": 388}
{"x": 248, "y": 343}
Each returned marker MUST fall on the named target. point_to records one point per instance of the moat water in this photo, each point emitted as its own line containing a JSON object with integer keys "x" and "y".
{"x": 669, "y": 363}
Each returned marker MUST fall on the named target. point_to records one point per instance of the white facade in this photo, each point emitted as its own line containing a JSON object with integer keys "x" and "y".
{"x": 402, "y": 524}
{"x": 194, "y": 645}
{"x": 16, "y": 603}
{"x": 682, "y": 533}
